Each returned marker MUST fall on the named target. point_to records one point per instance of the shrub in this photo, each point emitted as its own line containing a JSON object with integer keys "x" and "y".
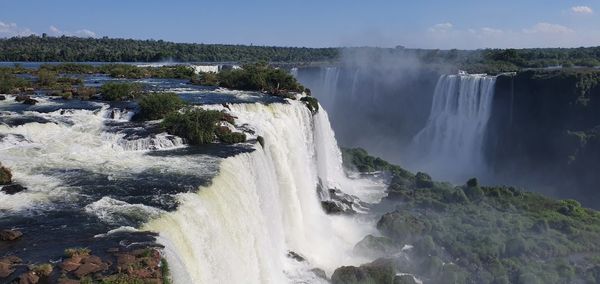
{"x": 158, "y": 105}
{"x": 197, "y": 126}
{"x": 114, "y": 91}
{"x": 423, "y": 180}
{"x": 70, "y": 252}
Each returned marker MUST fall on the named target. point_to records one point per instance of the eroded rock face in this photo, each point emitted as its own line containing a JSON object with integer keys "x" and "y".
{"x": 10, "y": 235}
{"x": 340, "y": 202}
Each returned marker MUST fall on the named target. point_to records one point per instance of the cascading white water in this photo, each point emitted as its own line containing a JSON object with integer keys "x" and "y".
{"x": 205, "y": 68}
{"x": 451, "y": 144}
{"x": 262, "y": 204}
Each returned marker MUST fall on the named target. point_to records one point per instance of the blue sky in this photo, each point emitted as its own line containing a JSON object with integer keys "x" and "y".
{"x": 317, "y": 23}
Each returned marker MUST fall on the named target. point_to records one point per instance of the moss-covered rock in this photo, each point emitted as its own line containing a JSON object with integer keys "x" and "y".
{"x": 377, "y": 272}
{"x": 402, "y": 226}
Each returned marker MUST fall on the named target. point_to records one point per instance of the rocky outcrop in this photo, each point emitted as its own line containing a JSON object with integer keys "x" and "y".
{"x": 5, "y": 175}
{"x": 402, "y": 227}
{"x": 10, "y": 235}
{"x": 12, "y": 188}
{"x": 380, "y": 271}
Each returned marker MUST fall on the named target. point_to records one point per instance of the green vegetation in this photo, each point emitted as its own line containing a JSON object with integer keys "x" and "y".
{"x": 253, "y": 77}
{"x": 199, "y": 126}
{"x": 158, "y": 105}
{"x": 114, "y": 91}
{"x": 311, "y": 103}
{"x": 73, "y": 49}
{"x": 491, "y": 234}
{"x": 9, "y": 83}
{"x": 70, "y": 252}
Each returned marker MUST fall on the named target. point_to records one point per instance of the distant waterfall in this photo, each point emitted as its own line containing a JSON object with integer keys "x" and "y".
{"x": 450, "y": 145}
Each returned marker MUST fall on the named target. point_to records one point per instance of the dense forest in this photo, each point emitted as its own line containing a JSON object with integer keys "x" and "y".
{"x": 75, "y": 49}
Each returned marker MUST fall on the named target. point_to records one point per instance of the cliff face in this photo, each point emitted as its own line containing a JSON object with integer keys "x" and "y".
{"x": 544, "y": 131}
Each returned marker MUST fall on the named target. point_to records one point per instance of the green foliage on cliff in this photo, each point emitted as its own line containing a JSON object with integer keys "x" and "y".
{"x": 199, "y": 126}
{"x": 491, "y": 234}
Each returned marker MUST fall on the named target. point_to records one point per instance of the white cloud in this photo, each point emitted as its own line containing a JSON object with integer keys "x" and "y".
{"x": 12, "y": 29}
{"x": 582, "y": 10}
{"x": 79, "y": 33}
{"x": 547, "y": 28}
{"x": 441, "y": 27}
{"x": 539, "y": 35}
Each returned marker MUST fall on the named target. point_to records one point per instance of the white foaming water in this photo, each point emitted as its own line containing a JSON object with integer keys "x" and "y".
{"x": 262, "y": 204}
{"x": 205, "y": 68}
{"x": 76, "y": 140}
{"x": 452, "y": 140}
{"x": 114, "y": 211}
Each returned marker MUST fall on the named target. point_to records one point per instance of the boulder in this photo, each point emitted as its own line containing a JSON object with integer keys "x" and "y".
{"x": 2, "y": 97}
{"x": 21, "y": 98}
{"x": 12, "y": 188}
{"x": 376, "y": 246}
{"x": 29, "y": 278}
{"x": 10, "y": 235}
{"x": 6, "y": 269}
{"x": 295, "y": 256}
{"x": 69, "y": 265}
{"x": 5, "y": 175}
{"x": 379, "y": 271}
{"x": 86, "y": 269}
{"x": 319, "y": 273}
{"x": 30, "y": 101}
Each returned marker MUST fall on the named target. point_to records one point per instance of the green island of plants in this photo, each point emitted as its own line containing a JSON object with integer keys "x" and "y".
{"x": 199, "y": 126}
{"x": 475, "y": 234}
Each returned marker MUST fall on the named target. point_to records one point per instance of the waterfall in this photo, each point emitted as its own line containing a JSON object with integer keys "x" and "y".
{"x": 263, "y": 204}
{"x": 450, "y": 145}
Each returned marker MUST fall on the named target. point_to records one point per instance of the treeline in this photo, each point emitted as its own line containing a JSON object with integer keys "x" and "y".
{"x": 74, "y": 49}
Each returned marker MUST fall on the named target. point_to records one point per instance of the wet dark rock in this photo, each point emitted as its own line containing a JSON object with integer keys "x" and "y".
{"x": 12, "y": 188}
{"x": 10, "y": 235}
{"x": 342, "y": 203}
{"x": 30, "y": 101}
{"x": 2, "y": 97}
{"x": 295, "y": 256}
{"x": 21, "y": 98}
{"x": 319, "y": 273}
